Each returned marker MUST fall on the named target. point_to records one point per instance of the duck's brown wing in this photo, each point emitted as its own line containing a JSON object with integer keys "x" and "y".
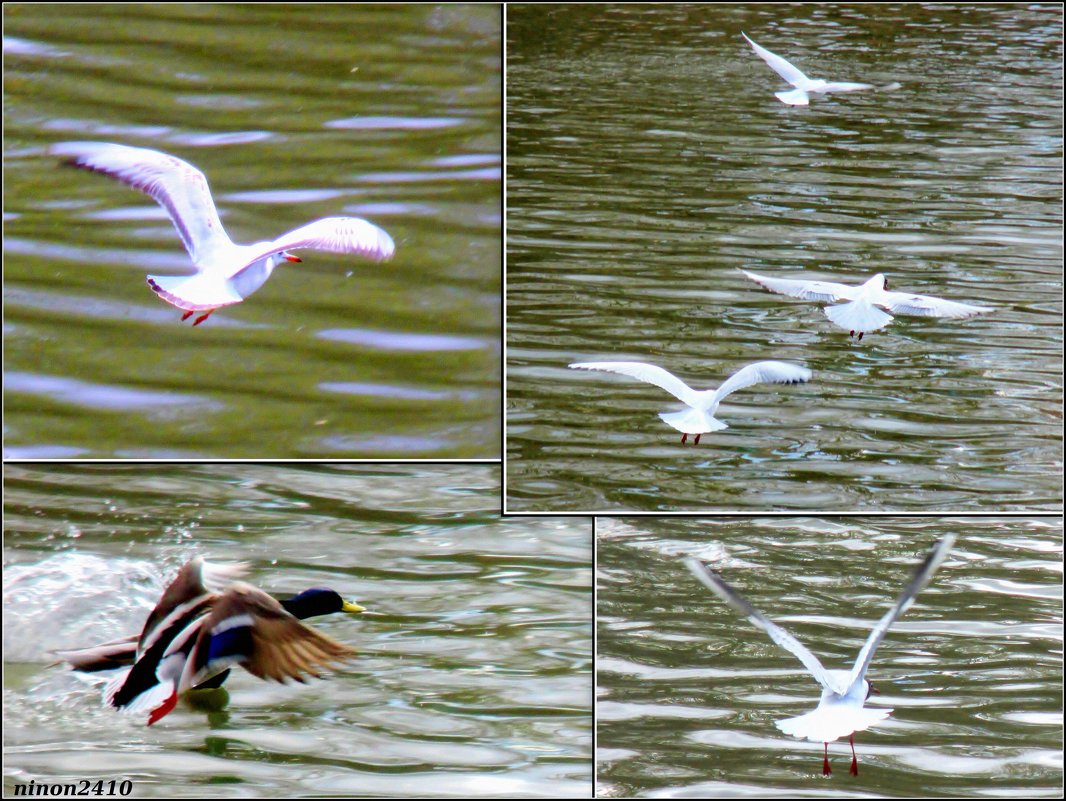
{"x": 248, "y": 627}
{"x": 189, "y": 594}
{"x": 106, "y": 656}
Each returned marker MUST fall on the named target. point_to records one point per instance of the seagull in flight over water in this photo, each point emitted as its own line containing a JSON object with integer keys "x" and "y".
{"x": 226, "y": 273}
{"x": 840, "y": 711}
{"x": 699, "y": 418}
{"x": 861, "y": 314}
{"x": 804, "y": 85}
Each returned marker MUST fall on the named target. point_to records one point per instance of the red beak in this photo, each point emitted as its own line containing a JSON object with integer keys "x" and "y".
{"x": 290, "y": 257}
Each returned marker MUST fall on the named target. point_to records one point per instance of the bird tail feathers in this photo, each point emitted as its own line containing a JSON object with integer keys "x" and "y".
{"x": 858, "y": 315}
{"x": 795, "y": 97}
{"x": 156, "y": 701}
{"x": 824, "y": 725}
{"x": 198, "y": 292}
{"x": 692, "y": 421}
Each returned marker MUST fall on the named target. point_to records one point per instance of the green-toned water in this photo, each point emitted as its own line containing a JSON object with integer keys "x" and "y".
{"x": 649, "y": 161}
{"x": 294, "y": 112}
{"x": 473, "y": 675}
{"x": 688, "y": 690}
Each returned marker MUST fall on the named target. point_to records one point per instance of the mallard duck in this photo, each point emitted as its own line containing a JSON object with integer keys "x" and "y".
{"x": 204, "y": 624}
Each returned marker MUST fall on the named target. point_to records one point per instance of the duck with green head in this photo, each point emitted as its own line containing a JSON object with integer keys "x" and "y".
{"x": 206, "y": 623}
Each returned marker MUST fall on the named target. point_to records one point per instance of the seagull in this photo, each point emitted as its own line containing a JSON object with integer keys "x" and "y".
{"x": 861, "y": 313}
{"x": 226, "y": 273}
{"x": 699, "y": 418}
{"x": 803, "y": 84}
{"x": 840, "y": 711}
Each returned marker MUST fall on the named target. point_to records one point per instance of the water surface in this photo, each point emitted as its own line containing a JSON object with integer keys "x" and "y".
{"x": 649, "y": 161}
{"x": 392, "y": 113}
{"x": 688, "y": 691}
{"x": 473, "y": 676}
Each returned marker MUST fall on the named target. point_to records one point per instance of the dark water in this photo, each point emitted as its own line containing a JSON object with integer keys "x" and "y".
{"x": 474, "y": 670}
{"x": 688, "y": 691}
{"x": 293, "y": 112}
{"x": 648, "y": 161}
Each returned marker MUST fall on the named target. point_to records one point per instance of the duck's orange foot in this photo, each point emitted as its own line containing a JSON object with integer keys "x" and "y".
{"x": 164, "y": 708}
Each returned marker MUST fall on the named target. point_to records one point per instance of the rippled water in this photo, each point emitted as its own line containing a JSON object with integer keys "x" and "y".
{"x": 688, "y": 691}
{"x": 648, "y": 161}
{"x": 474, "y": 669}
{"x": 293, "y": 112}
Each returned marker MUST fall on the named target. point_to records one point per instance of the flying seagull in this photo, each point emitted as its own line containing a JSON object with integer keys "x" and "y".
{"x": 226, "y": 273}
{"x": 840, "y": 711}
{"x": 699, "y": 418}
{"x": 804, "y": 85}
{"x": 861, "y": 314}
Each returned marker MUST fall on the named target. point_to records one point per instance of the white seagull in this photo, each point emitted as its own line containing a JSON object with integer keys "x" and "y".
{"x": 840, "y": 710}
{"x": 699, "y": 418}
{"x": 804, "y": 85}
{"x": 861, "y": 314}
{"x": 226, "y": 273}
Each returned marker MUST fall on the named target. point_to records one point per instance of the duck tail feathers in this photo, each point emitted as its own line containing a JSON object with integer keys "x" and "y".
{"x": 152, "y": 700}
{"x": 113, "y": 687}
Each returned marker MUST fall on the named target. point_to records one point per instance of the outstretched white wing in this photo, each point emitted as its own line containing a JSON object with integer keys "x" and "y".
{"x": 789, "y": 72}
{"x": 764, "y": 373}
{"x": 647, "y": 372}
{"x": 176, "y": 185}
{"x": 821, "y": 291}
{"x": 845, "y": 86}
{"x": 925, "y": 306}
{"x": 921, "y": 577}
{"x": 332, "y": 234}
{"x": 715, "y": 584}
